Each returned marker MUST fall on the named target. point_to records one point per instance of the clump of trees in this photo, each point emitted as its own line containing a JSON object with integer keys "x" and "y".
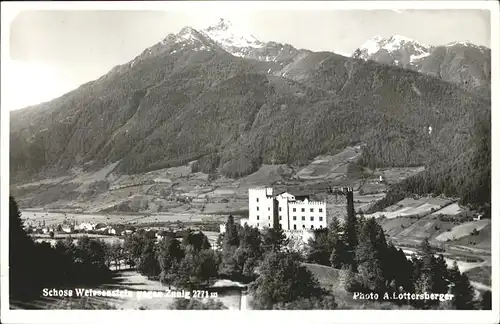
{"x": 188, "y": 263}
{"x": 34, "y": 266}
{"x": 378, "y": 266}
{"x": 284, "y": 283}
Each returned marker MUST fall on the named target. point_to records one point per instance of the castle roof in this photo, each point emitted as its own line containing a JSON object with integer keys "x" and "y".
{"x": 299, "y": 194}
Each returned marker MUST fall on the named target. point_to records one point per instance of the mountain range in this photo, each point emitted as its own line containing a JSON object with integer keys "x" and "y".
{"x": 462, "y": 63}
{"x": 233, "y": 103}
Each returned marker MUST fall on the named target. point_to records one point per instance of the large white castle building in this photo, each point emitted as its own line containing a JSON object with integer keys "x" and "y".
{"x": 293, "y": 212}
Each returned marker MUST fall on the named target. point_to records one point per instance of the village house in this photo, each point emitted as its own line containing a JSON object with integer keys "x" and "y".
{"x": 86, "y": 227}
{"x": 116, "y": 230}
{"x": 127, "y": 232}
{"x": 68, "y": 228}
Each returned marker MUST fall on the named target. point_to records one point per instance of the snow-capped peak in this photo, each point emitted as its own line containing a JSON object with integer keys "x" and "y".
{"x": 403, "y": 50}
{"x": 465, "y": 43}
{"x": 226, "y": 35}
{"x": 391, "y": 44}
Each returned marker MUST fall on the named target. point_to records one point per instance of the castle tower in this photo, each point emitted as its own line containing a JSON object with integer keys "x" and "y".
{"x": 261, "y": 207}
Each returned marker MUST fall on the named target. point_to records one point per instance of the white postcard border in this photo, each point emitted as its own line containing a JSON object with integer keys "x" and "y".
{"x": 9, "y": 10}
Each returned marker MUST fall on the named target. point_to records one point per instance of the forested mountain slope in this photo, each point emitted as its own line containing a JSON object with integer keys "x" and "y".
{"x": 188, "y": 98}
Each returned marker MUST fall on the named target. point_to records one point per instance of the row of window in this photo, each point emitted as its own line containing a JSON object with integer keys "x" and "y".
{"x": 304, "y": 218}
{"x": 295, "y": 209}
{"x": 294, "y": 226}
{"x": 303, "y": 210}
{"x": 295, "y": 218}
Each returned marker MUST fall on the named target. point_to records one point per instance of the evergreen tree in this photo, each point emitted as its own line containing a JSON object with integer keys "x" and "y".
{"x": 249, "y": 251}
{"x": 350, "y": 229}
{"x": 338, "y": 249}
{"x": 169, "y": 255}
{"x": 398, "y": 270}
{"x": 274, "y": 239}
{"x": 229, "y": 266}
{"x": 352, "y": 281}
{"x": 440, "y": 273}
{"x": 432, "y": 274}
{"x": 148, "y": 264}
{"x": 133, "y": 246}
{"x": 461, "y": 289}
{"x": 369, "y": 254}
{"x": 22, "y": 278}
{"x": 486, "y": 300}
{"x": 231, "y": 233}
{"x": 320, "y": 248}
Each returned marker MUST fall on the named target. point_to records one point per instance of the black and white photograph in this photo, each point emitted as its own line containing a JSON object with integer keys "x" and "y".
{"x": 243, "y": 156}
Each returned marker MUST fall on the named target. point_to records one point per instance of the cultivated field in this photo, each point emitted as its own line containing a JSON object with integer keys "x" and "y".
{"x": 451, "y": 210}
{"x": 463, "y": 230}
{"x": 178, "y": 190}
{"x": 410, "y": 207}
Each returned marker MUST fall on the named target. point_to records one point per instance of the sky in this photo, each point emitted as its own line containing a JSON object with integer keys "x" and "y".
{"x": 53, "y": 52}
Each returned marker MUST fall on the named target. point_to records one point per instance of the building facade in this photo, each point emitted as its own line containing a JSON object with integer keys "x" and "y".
{"x": 295, "y": 213}
{"x": 289, "y": 211}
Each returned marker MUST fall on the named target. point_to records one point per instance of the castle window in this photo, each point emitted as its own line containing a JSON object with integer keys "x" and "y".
{"x": 303, "y": 209}
{"x": 312, "y": 210}
{"x": 257, "y": 207}
{"x": 268, "y": 208}
{"x": 312, "y": 218}
{"x": 294, "y": 217}
{"x": 257, "y": 199}
{"x": 295, "y": 209}
{"x": 257, "y": 217}
{"x": 294, "y": 226}
{"x": 268, "y": 217}
{"x": 312, "y": 226}
{"x": 320, "y": 219}
{"x": 279, "y": 209}
{"x": 280, "y": 217}
{"x": 321, "y": 210}
{"x": 269, "y": 225}
{"x": 303, "y": 226}
{"x": 320, "y": 226}
{"x": 303, "y": 218}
